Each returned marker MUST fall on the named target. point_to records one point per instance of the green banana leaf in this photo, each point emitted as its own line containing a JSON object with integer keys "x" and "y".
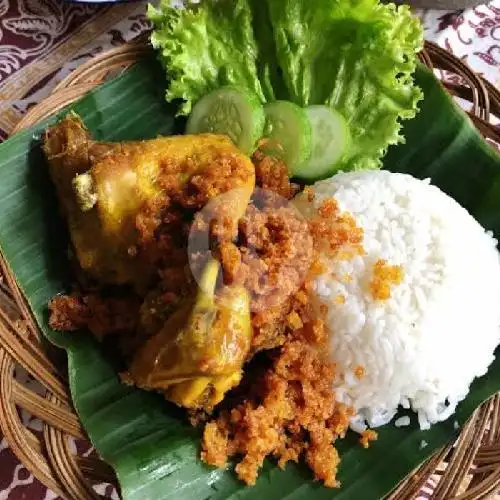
{"x": 148, "y": 442}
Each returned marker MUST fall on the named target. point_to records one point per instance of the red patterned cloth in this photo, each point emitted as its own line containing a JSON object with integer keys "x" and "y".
{"x": 472, "y": 35}
{"x": 42, "y": 41}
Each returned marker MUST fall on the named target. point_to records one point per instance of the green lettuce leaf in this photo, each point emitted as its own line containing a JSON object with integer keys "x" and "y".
{"x": 357, "y": 56}
{"x": 205, "y": 48}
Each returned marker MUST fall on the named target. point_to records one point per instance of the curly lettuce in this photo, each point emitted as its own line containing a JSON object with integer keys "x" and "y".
{"x": 204, "y": 47}
{"x": 357, "y": 56}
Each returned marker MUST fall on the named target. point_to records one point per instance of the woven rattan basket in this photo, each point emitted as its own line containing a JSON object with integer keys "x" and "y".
{"x": 467, "y": 469}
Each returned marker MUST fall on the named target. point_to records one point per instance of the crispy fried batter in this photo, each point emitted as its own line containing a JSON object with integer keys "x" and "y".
{"x": 292, "y": 413}
{"x": 336, "y": 233}
{"x": 359, "y": 372}
{"x": 276, "y": 256}
{"x": 101, "y": 316}
{"x": 368, "y": 436}
{"x": 271, "y": 256}
{"x": 277, "y": 248}
{"x": 229, "y": 256}
{"x": 226, "y": 172}
{"x": 215, "y": 443}
{"x": 271, "y": 173}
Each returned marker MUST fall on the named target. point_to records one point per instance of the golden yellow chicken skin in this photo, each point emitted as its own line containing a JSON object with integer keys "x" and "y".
{"x": 199, "y": 353}
{"x": 103, "y": 187}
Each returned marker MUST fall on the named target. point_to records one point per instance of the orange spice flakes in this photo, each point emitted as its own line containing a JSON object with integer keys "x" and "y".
{"x": 368, "y": 436}
{"x": 339, "y": 300}
{"x": 289, "y": 410}
{"x": 319, "y": 331}
{"x": 384, "y": 277}
{"x": 328, "y": 208}
{"x": 230, "y": 257}
{"x": 335, "y": 233}
{"x": 294, "y": 321}
{"x": 359, "y": 372}
{"x": 317, "y": 268}
{"x": 215, "y": 445}
{"x": 272, "y": 174}
{"x": 309, "y": 194}
{"x": 302, "y": 297}
{"x": 101, "y": 316}
{"x": 291, "y": 413}
{"x": 276, "y": 253}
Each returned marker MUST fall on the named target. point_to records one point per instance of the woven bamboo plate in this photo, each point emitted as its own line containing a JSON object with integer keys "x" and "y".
{"x": 468, "y": 469}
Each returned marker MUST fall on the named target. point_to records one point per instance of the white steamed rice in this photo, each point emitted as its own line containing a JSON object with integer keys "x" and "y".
{"x": 423, "y": 347}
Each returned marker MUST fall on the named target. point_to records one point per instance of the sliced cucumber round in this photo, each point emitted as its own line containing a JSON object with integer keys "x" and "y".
{"x": 288, "y": 131}
{"x": 331, "y": 138}
{"x": 229, "y": 111}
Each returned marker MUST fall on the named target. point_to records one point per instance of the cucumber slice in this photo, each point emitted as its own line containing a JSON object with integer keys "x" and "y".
{"x": 229, "y": 111}
{"x": 288, "y": 131}
{"x": 331, "y": 139}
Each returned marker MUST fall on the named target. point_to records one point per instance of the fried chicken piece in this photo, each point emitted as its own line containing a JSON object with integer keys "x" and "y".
{"x": 103, "y": 188}
{"x": 198, "y": 354}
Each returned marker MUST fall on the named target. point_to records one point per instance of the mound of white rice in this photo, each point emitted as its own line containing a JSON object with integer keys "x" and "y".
{"x": 423, "y": 347}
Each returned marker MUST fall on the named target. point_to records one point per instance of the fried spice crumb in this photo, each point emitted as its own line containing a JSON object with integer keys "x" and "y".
{"x": 320, "y": 333}
{"x": 293, "y": 414}
{"x": 229, "y": 256}
{"x": 301, "y": 296}
{"x": 320, "y": 457}
{"x": 339, "y": 299}
{"x": 359, "y": 372}
{"x": 328, "y": 208}
{"x": 368, "y": 436}
{"x": 276, "y": 252}
{"x": 101, "y": 316}
{"x": 317, "y": 268}
{"x": 272, "y": 174}
{"x": 384, "y": 277}
{"x": 214, "y": 445}
{"x": 335, "y": 233}
{"x": 294, "y": 320}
